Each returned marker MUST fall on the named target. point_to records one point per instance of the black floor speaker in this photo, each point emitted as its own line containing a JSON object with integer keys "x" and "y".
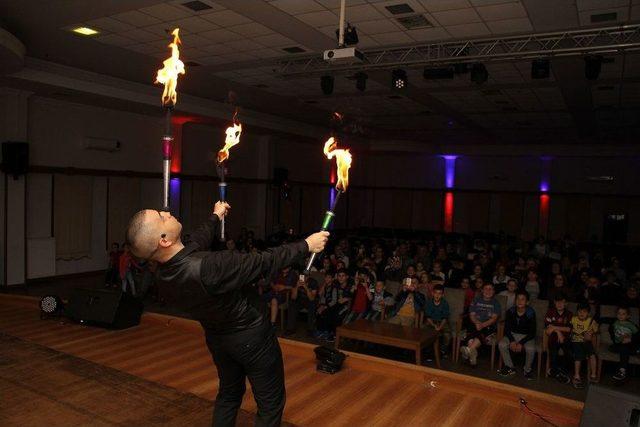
{"x": 102, "y": 307}
{"x": 608, "y": 407}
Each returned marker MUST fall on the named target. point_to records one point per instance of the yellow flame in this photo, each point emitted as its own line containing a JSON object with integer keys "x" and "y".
{"x": 343, "y": 162}
{"x": 232, "y": 138}
{"x": 168, "y": 75}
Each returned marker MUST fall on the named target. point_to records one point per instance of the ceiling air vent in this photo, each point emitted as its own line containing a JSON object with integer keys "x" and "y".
{"x": 604, "y": 17}
{"x": 196, "y": 5}
{"x": 399, "y": 9}
{"x": 414, "y": 21}
{"x": 293, "y": 49}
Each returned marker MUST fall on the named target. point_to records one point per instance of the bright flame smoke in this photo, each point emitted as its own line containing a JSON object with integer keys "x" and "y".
{"x": 343, "y": 162}
{"x": 232, "y": 138}
{"x": 168, "y": 75}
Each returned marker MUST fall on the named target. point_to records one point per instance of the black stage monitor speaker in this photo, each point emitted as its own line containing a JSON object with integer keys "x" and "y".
{"x": 15, "y": 158}
{"x": 280, "y": 176}
{"x": 608, "y": 407}
{"x": 102, "y": 307}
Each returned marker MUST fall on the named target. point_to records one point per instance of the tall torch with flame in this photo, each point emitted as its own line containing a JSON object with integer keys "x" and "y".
{"x": 232, "y": 138}
{"x": 343, "y": 163}
{"x": 168, "y": 76}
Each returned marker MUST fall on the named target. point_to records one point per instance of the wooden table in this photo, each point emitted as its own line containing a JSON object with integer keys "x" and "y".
{"x": 393, "y": 335}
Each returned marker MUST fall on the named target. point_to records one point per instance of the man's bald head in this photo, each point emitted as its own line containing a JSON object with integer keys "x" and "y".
{"x": 142, "y": 234}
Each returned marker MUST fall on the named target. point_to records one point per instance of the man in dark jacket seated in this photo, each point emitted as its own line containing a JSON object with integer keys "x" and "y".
{"x": 519, "y": 336}
{"x": 215, "y": 288}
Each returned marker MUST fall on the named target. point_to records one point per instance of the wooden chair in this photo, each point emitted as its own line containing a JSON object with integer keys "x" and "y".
{"x": 455, "y": 298}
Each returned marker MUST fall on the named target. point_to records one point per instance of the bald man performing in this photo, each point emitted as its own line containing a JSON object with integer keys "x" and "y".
{"x": 215, "y": 289}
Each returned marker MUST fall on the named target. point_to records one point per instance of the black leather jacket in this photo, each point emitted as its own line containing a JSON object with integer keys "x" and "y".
{"x": 214, "y": 287}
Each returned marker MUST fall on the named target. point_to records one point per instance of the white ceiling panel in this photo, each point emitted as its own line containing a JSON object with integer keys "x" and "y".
{"x": 455, "y": 17}
{"x": 389, "y": 39}
{"x": 252, "y": 29}
{"x": 220, "y": 35}
{"x": 194, "y": 24}
{"x": 429, "y": 34}
{"x": 502, "y": 11}
{"x": 166, "y": 12}
{"x": 295, "y": 7}
{"x": 600, "y": 4}
{"x": 107, "y": 24}
{"x": 115, "y": 39}
{"x": 477, "y": 29}
{"x": 364, "y": 12}
{"x": 226, "y": 18}
{"x": 378, "y": 26}
{"x": 439, "y": 5}
{"x": 510, "y": 26}
{"x": 585, "y": 16}
{"x": 319, "y": 19}
{"x": 275, "y": 40}
{"x": 136, "y": 18}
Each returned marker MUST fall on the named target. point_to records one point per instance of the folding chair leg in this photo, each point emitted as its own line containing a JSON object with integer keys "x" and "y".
{"x": 493, "y": 355}
{"x": 539, "y": 356}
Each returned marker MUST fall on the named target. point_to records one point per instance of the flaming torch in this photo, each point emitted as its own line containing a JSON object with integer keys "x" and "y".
{"x": 168, "y": 76}
{"x": 343, "y": 163}
{"x": 232, "y": 138}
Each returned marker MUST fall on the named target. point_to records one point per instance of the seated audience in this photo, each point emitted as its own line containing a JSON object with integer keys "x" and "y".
{"x": 381, "y": 299}
{"x": 303, "y": 296}
{"x": 631, "y": 298}
{"x": 500, "y": 279}
{"x": 409, "y": 303}
{"x": 532, "y": 286}
{"x": 557, "y": 325}
{"x": 510, "y": 293}
{"x": 519, "y": 336}
{"x": 559, "y": 287}
{"x": 626, "y": 341}
{"x": 280, "y": 287}
{"x": 469, "y": 293}
{"x": 611, "y": 292}
{"x": 483, "y": 316}
{"x": 583, "y": 329}
{"x": 437, "y": 276}
{"x": 362, "y": 296}
{"x": 436, "y": 314}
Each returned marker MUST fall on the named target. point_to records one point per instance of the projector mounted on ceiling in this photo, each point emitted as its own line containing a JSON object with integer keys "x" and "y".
{"x": 345, "y": 55}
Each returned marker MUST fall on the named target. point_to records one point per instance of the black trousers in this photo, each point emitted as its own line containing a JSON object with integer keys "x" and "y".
{"x": 253, "y": 354}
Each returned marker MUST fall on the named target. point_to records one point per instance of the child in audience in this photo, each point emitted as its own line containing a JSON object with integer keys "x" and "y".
{"x": 409, "y": 303}
{"x": 437, "y": 275}
{"x": 626, "y": 341}
{"x": 519, "y": 336}
{"x": 426, "y": 285}
{"x": 483, "y": 315}
{"x": 436, "y": 313}
{"x": 127, "y": 264}
{"x": 469, "y": 294}
{"x": 281, "y": 285}
{"x": 362, "y": 296}
{"x": 557, "y": 325}
{"x": 500, "y": 279}
{"x": 532, "y": 285}
{"x": 381, "y": 299}
{"x": 510, "y": 292}
{"x": 583, "y": 327}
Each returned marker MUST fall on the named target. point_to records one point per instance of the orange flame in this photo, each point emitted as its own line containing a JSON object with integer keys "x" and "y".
{"x": 168, "y": 75}
{"x": 233, "y": 138}
{"x": 343, "y": 162}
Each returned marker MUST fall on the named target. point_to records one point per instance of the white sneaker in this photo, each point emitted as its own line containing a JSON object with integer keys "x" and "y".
{"x": 473, "y": 356}
{"x": 464, "y": 351}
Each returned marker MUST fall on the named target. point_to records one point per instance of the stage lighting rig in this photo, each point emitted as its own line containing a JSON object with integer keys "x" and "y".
{"x": 399, "y": 79}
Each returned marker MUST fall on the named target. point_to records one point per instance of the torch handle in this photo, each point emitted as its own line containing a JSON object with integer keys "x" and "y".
{"x": 328, "y": 217}
{"x": 222, "y": 187}
{"x": 167, "y": 140}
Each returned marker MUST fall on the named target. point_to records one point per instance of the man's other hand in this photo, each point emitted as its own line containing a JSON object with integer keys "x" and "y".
{"x": 317, "y": 241}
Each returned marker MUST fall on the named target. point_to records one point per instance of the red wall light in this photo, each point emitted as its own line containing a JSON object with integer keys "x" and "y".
{"x": 543, "y": 224}
{"x": 448, "y": 212}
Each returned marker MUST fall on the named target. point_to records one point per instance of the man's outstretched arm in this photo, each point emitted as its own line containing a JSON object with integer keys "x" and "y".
{"x": 224, "y": 271}
{"x": 209, "y": 231}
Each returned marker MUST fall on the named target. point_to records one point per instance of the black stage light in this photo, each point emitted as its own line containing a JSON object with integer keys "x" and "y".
{"x": 398, "y": 79}
{"x": 326, "y": 83}
{"x": 438, "y": 73}
{"x": 361, "y": 81}
{"x": 51, "y": 305}
{"x": 350, "y": 35}
{"x": 592, "y": 67}
{"x": 479, "y": 73}
{"x": 540, "y": 69}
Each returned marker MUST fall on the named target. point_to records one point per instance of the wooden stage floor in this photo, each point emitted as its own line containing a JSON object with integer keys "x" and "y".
{"x": 369, "y": 391}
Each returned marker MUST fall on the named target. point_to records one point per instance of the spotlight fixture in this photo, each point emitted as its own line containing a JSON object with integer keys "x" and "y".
{"x": 479, "y": 73}
{"x": 50, "y": 306}
{"x": 350, "y": 35}
{"x": 85, "y": 31}
{"x": 361, "y": 81}
{"x": 399, "y": 79}
{"x": 326, "y": 83}
{"x": 540, "y": 69}
{"x": 592, "y": 67}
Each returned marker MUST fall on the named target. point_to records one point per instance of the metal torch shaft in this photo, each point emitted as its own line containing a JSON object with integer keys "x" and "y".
{"x": 167, "y": 142}
{"x": 222, "y": 186}
{"x": 326, "y": 222}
